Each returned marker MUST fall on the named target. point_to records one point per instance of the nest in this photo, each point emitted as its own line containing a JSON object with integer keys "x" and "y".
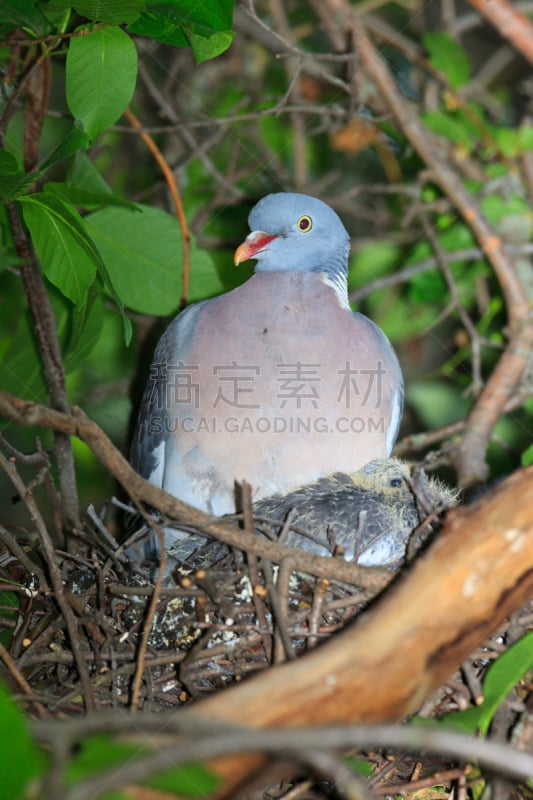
{"x": 211, "y": 627}
{"x": 164, "y": 643}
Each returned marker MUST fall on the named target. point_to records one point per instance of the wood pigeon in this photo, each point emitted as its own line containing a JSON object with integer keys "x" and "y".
{"x": 277, "y": 382}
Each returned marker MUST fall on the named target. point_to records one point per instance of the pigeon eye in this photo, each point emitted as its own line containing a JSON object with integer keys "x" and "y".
{"x": 304, "y": 224}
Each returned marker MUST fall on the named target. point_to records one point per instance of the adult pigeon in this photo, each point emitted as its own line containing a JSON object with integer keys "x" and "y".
{"x": 277, "y": 382}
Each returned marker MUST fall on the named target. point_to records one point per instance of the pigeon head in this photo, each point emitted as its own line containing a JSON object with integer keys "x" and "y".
{"x": 296, "y": 232}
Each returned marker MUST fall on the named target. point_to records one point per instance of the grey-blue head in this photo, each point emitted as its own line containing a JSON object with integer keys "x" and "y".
{"x": 296, "y": 232}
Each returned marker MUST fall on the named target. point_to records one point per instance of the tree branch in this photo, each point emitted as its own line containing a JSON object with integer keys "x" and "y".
{"x": 44, "y": 327}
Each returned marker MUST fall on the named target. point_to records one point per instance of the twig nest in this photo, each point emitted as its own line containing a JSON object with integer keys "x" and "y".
{"x": 368, "y": 516}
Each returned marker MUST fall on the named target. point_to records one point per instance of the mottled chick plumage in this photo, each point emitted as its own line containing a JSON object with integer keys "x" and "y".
{"x": 371, "y": 513}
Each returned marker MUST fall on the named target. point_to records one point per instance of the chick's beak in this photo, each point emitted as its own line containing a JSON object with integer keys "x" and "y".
{"x": 254, "y": 243}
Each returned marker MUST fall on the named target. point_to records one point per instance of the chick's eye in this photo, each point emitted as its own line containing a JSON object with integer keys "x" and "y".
{"x": 304, "y": 224}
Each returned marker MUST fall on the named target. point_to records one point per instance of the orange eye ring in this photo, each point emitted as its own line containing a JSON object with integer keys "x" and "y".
{"x": 304, "y": 223}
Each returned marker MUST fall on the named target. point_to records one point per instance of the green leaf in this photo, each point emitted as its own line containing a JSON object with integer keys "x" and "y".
{"x": 85, "y": 199}
{"x": 73, "y": 241}
{"x": 13, "y": 180}
{"x": 206, "y": 47}
{"x": 360, "y": 766}
{"x": 428, "y": 287}
{"x": 23, "y": 14}
{"x": 206, "y": 27}
{"x": 83, "y": 175}
{"x": 98, "y": 753}
{"x": 102, "y": 752}
{"x": 79, "y": 329}
{"x": 143, "y": 253}
{"x": 501, "y": 677}
{"x": 453, "y": 126}
{"x": 8, "y": 163}
{"x": 512, "y": 142}
{"x": 21, "y": 759}
{"x": 118, "y": 12}
{"x": 159, "y": 27}
{"x": 14, "y": 186}
{"x": 204, "y": 279}
{"x": 190, "y": 780}
{"x": 436, "y": 402}
{"x": 84, "y": 329}
{"x": 76, "y": 139}
{"x": 372, "y": 262}
{"x": 525, "y": 138}
{"x": 448, "y": 57}
{"x": 57, "y": 12}
{"x": 496, "y": 207}
{"x": 61, "y": 243}
{"x": 20, "y": 366}
{"x": 101, "y": 72}
{"x": 527, "y": 456}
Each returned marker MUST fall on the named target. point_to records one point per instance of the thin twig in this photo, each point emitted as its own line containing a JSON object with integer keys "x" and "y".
{"x": 14, "y": 41}
{"x": 403, "y": 275}
{"x": 253, "y": 569}
{"x": 19, "y": 553}
{"x": 475, "y": 339}
{"x": 44, "y": 327}
{"x": 149, "y": 618}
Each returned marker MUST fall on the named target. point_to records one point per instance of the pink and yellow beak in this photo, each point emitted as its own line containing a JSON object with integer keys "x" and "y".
{"x": 254, "y": 243}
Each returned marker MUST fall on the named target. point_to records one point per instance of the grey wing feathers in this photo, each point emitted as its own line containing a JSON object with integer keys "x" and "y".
{"x": 396, "y": 378}
{"x": 152, "y": 429}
